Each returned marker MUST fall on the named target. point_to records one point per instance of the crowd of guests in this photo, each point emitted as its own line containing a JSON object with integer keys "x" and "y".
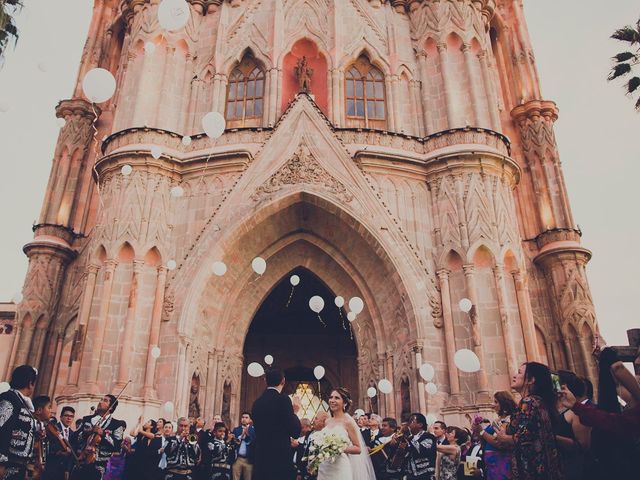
{"x": 556, "y": 430}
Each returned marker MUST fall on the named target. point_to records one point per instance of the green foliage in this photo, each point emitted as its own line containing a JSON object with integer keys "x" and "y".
{"x": 625, "y": 62}
{"x": 8, "y": 30}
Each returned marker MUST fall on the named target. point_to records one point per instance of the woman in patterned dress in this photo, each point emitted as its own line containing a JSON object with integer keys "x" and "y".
{"x": 450, "y": 454}
{"x": 531, "y": 433}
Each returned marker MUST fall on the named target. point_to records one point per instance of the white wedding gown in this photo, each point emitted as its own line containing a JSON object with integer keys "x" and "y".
{"x": 347, "y": 467}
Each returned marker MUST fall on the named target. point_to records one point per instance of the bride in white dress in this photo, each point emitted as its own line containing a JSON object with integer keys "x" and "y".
{"x": 354, "y": 463}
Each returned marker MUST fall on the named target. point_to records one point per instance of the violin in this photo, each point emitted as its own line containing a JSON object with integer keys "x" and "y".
{"x": 53, "y": 431}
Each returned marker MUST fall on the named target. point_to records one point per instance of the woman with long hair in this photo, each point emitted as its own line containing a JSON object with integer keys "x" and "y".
{"x": 531, "y": 429}
{"x": 497, "y": 460}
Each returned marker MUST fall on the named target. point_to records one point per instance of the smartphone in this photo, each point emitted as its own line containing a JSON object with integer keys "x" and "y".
{"x": 555, "y": 380}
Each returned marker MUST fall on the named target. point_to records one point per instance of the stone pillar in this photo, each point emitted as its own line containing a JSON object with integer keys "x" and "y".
{"x": 490, "y": 92}
{"x": 449, "y": 334}
{"x": 390, "y": 398}
{"x": 55, "y": 368}
{"x": 273, "y": 96}
{"x": 469, "y": 275}
{"x": 154, "y": 334}
{"x": 505, "y": 320}
{"x": 91, "y": 382}
{"x": 526, "y": 317}
{"x": 447, "y": 79}
{"x": 426, "y": 110}
{"x": 81, "y": 328}
{"x": 474, "y": 86}
{"x": 129, "y": 326}
{"x": 422, "y": 403}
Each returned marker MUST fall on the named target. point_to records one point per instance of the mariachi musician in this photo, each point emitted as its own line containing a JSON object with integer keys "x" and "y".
{"x": 183, "y": 453}
{"x": 60, "y": 454}
{"x": 421, "y": 450}
{"x": 386, "y": 456}
{"x": 99, "y": 436}
{"x": 18, "y": 426}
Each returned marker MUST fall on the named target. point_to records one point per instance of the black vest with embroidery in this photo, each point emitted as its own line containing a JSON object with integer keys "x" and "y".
{"x": 111, "y": 440}
{"x": 17, "y": 428}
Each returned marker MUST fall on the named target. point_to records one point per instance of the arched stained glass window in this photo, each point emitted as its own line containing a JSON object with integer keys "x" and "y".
{"x": 245, "y": 94}
{"x": 365, "y": 96}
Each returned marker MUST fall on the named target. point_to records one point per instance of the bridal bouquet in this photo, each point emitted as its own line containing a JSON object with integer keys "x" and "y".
{"x": 324, "y": 448}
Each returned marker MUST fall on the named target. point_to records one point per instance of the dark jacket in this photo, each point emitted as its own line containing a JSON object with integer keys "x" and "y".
{"x": 17, "y": 428}
{"x": 275, "y": 424}
{"x": 111, "y": 440}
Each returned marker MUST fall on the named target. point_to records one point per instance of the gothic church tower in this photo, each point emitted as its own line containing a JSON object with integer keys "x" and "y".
{"x": 399, "y": 151}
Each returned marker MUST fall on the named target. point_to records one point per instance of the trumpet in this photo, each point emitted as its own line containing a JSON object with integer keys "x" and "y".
{"x": 192, "y": 439}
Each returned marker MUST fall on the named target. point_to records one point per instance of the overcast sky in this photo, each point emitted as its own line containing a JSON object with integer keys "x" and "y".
{"x": 598, "y": 134}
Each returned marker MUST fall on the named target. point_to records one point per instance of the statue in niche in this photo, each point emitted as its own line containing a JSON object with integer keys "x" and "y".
{"x": 303, "y": 74}
{"x": 194, "y": 397}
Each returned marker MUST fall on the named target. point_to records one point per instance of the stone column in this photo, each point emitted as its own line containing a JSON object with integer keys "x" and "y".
{"x": 489, "y": 89}
{"x": 483, "y": 384}
{"x": 55, "y": 368}
{"x": 449, "y": 93}
{"x": 154, "y": 334}
{"x": 474, "y": 86}
{"x": 129, "y": 326}
{"x": 91, "y": 382}
{"x": 391, "y": 398}
{"x": 507, "y": 334}
{"x": 526, "y": 317}
{"x": 273, "y": 96}
{"x": 449, "y": 334}
{"x": 426, "y": 110}
{"x": 81, "y": 327}
{"x": 417, "y": 350}
{"x": 398, "y": 119}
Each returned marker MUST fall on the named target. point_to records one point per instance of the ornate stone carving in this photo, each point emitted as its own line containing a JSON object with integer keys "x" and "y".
{"x": 535, "y": 120}
{"x": 302, "y": 169}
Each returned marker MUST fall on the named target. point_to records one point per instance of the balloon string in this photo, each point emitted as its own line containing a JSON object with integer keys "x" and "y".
{"x": 290, "y": 297}
{"x": 95, "y": 152}
{"x": 204, "y": 168}
{"x": 322, "y": 321}
{"x": 344, "y": 325}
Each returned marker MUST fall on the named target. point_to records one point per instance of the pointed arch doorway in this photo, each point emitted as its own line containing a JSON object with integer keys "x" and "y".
{"x": 286, "y": 328}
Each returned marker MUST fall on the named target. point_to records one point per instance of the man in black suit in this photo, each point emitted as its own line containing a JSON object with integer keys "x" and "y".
{"x": 275, "y": 422}
{"x": 59, "y": 460}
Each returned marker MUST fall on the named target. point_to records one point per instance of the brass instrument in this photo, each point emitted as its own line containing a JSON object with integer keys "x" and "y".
{"x": 192, "y": 439}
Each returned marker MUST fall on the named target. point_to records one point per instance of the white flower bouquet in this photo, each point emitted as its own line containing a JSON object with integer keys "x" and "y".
{"x": 324, "y": 448}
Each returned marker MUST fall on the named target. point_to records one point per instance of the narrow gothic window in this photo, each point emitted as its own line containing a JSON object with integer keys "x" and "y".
{"x": 245, "y": 94}
{"x": 365, "y": 103}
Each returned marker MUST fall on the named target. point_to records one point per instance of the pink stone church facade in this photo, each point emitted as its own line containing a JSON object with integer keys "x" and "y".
{"x": 419, "y": 168}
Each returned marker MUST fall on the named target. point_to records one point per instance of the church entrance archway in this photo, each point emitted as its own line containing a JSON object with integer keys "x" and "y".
{"x": 299, "y": 340}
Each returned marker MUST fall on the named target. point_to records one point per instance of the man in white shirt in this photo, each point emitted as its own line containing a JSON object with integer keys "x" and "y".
{"x": 167, "y": 435}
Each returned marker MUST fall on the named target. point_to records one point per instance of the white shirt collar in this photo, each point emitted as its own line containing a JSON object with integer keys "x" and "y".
{"x": 25, "y": 399}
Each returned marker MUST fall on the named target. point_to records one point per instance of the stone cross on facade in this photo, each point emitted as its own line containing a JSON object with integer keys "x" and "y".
{"x": 630, "y": 352}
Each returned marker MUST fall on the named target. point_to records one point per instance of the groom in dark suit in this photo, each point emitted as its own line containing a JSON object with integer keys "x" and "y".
{"x": 275, "y": 422}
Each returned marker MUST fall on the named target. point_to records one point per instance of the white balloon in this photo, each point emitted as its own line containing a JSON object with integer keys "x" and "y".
{"x": 385, "y": 386}
{"x": 155, "y": 352}
{"x": 356, "y": 305}
{"x": 4, "y": 106}
{"x": 339, "y": 301}
{"x": 219, "y": 268}
{"x": 99, "y": 85}
{"x": 168, "y": 407}
{"x": 259, "y": 265}
{"x": 4, "y": 387}
{"x": 156, "y": 152}
{"x": 17, "y": 298}
{"x": 316, "y": 303}
{"x": 465, "y": 305}
{"x": 427, "y": 371}
{"x": 431, "y": 419}
{"x": 351, "y": 316}
{"x": 126, "y": 170}
{"x": 149, "y": 48}
{"x": 213, "y": 124}
{"x": 295, "y": 280}
{"x": 61, "y": 122}
{"x": 177, "y": 191}
{"x": 173, "y": 14}
{"x": 358, "y": 413}
{"x": 431, "y": 388}
{"x": 268, "y": 359}
{"x": 466, "y": 360}
{"x": 186, "y": 140}
{"x": 43, "y": 66}
{"x": 171, "y": 264}
{"x": 318, "y": 372}
{"x": 371, "y": 392}
{"x": 255, "y": 369}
